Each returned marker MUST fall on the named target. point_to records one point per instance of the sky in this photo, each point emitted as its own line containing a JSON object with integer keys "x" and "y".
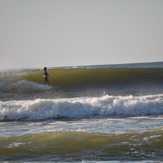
{"x": 54, "y": 33}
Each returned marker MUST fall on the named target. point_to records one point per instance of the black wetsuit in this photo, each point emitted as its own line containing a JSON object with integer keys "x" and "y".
{"x": 46, "y": 77}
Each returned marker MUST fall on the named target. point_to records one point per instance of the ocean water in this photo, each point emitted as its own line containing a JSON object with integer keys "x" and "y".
{"x": 87, "y": 113}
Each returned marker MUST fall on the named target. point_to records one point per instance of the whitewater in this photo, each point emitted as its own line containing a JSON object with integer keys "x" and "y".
{"x": 91, "y": 113}
{"x": 81, "y": 107}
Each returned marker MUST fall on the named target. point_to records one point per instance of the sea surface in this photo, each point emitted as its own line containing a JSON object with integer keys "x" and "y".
{"x": 87, "y": 113}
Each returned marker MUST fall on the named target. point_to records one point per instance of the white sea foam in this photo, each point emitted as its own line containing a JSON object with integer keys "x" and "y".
{"x": 8, "y": 82}
{"x": 25, "y": 86}
{"x": 82, "y": 107}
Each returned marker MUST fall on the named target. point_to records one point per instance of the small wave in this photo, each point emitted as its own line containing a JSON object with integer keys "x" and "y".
{"x": 83, "y": 107}
{"x": 72, "y": 146}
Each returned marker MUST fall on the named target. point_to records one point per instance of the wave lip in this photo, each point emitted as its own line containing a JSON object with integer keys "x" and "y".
{"x": 83, "y": 107}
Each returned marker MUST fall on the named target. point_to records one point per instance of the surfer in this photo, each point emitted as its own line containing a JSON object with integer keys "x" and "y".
{"x": 46, "y": 76}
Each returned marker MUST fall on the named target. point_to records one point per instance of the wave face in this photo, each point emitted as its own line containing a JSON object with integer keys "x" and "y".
{"x": 94, "y": 77}
{"x": 81, "y": 107}
{"x": 85, "y": 81}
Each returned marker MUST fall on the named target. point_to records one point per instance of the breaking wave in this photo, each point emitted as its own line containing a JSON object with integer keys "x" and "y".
{"x": 24, "y": 85}
{"x": 81, "y": 107}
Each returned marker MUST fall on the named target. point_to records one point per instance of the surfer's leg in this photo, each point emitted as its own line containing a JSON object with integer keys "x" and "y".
{"x": 45, "y": 80}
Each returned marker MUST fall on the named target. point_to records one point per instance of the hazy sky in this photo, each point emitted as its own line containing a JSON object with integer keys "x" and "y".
{"x": 52, "y": 33}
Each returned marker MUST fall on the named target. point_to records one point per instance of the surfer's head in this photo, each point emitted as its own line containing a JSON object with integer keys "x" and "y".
{"x": 45, "y": 68}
